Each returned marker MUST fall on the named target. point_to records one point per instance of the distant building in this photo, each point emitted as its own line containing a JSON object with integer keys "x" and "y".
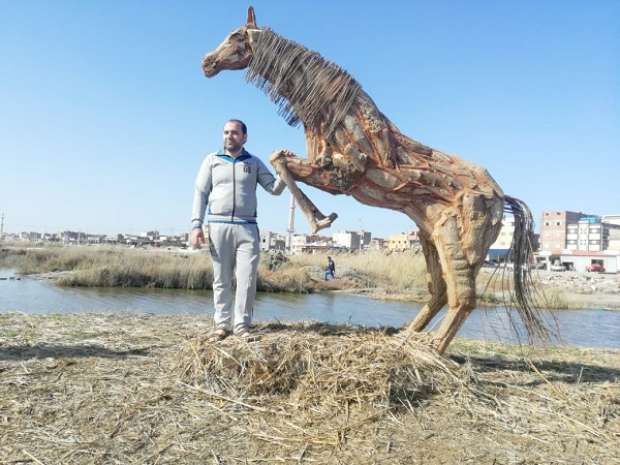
{"x": 31, "y": 236}
{"x": 151, "y": 235}
{"x": 586, "y": 235}
{"x": 581, "y": 260}
{"x": 51, "y": 237}
{"x": 376, "y": 243}
{"x": 311, "y": 243}
{"x": 365, "y": 238}
{"x": 611, "y": 224}
{"x": 348, "y": 239}
{"x": 270, "y": 240}
{"x": 403, "y": 241}
{"x": 502, "y": 244}
{"x": 298, "y": 242}
{"x": 72, "y": 237}
{"x": 95, "y": 238}
{"x": 553, "y": 229}
{"x": 611, "y": 219}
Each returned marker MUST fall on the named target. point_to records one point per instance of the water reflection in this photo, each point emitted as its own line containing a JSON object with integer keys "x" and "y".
{"x": 590, "y": 328}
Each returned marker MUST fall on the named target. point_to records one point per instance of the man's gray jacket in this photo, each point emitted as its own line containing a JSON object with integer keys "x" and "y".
{"x": 227, "y": 186}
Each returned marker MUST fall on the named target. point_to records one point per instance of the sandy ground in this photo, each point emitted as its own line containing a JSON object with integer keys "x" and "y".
{"x": 102, "y": 389}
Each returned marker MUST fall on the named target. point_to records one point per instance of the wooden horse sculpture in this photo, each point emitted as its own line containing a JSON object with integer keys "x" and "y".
{"x": 354, "y": 149}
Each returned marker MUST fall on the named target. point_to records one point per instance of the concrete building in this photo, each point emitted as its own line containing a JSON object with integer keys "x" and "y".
{"x": 31, "y": 236}
{"x": 501, "y": 246}
{"x": 575, "y": 231}
{"x": 581, "y": 260}
{"x": 586, "y": 235}
{"x": 299, "y": 242}
{"x": 72, "y": 237}
{"x": 312, "y": 243}
{"x": 611, "y": 224}
{"x": 553, "y": 229}
{"x": 403, "y": 241}
{"x": 95, "y": 238}
{"x": 348, "y": 239}
{"x": 613, "y": 237}
{"x": 151, "y": 235}
{"x": 611, "y": 219}
{"x": 376, "y": 243}
{"x": 365, "y": 238}
{"x": 270, "y": 240}
{"x": 51, "y": 237}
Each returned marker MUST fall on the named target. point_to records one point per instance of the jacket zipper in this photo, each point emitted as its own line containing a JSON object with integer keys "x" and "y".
{"x": 232, "y": 216}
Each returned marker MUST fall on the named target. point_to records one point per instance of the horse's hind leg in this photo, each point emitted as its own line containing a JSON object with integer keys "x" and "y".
{"x": 436, "y": 286}
{"x": 460, "y": 277}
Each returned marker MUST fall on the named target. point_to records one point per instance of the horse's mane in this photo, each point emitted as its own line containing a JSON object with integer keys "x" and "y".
{"x": 324, "y": 95}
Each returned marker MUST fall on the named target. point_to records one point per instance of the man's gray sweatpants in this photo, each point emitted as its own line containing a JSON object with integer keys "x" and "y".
{"x": 234, "y": 248}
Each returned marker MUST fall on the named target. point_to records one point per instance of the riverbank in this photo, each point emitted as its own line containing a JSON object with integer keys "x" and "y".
{"x": 399, "y": 277}
{"x": 146, "y": 389}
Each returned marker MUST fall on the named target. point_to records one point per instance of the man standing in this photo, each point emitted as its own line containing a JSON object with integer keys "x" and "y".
{"x": 226, "y": 184}
{"x": 330, "y": 270}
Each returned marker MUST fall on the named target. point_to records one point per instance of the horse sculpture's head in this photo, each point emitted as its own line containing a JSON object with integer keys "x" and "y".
{"x": 236, "y": 50}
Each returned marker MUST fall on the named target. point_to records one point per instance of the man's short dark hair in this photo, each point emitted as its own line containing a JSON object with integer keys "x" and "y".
{"x": 244, "y": 128}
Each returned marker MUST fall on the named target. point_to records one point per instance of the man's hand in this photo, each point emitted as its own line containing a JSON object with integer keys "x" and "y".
{"x": 280, "y": 155}
{"x": 197, "y": 238}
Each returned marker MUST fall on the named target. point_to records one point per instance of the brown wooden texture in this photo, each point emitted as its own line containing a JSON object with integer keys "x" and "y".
{"x": 457, "y": 205}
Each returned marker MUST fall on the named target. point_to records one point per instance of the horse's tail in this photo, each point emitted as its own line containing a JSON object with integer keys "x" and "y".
{"x": 523, "y": 293}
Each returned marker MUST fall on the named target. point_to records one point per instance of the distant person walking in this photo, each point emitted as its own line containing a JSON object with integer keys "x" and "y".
{"x": 330, "y": 270}
{"x": 226, "y": 184}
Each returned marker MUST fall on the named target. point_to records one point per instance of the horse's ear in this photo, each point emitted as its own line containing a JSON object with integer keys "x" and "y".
{"x": 251, "y": 22}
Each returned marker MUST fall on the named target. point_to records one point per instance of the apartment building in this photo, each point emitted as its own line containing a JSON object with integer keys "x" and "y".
{"x": 312, "y": 243}
{"x": 502, "y": 244}
{"x": 587, "y": 235}
{"x": 270, "y": 240}
{"x": 403, "y": 241}
{"x": 554, "y": 229}
{"x": 611, "y": 219}
{"x": 348, "y": 239}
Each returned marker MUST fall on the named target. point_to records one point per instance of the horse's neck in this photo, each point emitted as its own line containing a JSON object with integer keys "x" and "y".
{"x": 288, "y": 85}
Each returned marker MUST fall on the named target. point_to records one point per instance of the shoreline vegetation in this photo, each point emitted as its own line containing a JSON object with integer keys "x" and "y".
{"x": 374, "y": 274}
{"x": 149, "y": 389}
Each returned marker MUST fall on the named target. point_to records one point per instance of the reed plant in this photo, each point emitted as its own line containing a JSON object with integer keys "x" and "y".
{"x": 115, "y": 267}
{"x": 121, "y": 267}
{"x": 395, "y": 273}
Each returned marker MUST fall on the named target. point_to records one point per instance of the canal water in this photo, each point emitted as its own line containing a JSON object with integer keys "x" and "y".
{"x": 585, "y": 328}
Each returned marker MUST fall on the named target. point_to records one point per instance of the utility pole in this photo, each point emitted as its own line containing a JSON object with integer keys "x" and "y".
{"x": 2, "y": 226}
{"x": 291, "y": 223}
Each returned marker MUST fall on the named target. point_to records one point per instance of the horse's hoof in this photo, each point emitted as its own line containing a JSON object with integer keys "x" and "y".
{"x": 324, "y": 223}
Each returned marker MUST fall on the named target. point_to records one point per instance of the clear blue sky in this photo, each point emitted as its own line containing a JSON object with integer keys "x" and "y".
{"x": 105, "y": 115}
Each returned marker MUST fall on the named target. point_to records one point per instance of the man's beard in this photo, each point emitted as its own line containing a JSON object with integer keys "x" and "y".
{"x": 233, "y": 147}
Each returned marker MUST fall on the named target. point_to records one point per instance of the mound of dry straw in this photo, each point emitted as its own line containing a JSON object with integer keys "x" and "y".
{"x": 312, "y": 364}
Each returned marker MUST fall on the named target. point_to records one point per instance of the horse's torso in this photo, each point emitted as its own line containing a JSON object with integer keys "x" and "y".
{"x": 379, "y": 166}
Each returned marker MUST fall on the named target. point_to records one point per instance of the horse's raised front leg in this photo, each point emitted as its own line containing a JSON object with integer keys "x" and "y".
{"x": 291, "y": 168}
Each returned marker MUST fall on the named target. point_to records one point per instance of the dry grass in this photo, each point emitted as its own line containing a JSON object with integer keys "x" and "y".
{"x": 122, "y": 267}
{"x": 393, "y": 277}
{"x": 145, "y": 389}
{"x": 114, "y": 267}
{"x": 373, "y": 269}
